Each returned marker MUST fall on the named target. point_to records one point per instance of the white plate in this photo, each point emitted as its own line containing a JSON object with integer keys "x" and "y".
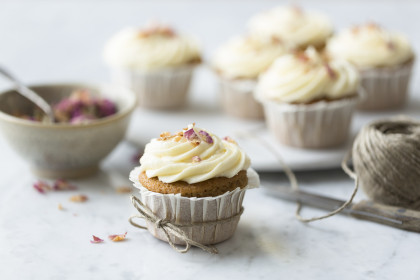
{"x": 205, "y": 112}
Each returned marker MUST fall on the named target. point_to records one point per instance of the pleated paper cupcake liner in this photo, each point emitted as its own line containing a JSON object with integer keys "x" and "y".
{"x": 386, "y": 88}
{"x": 237, "y": 97}
{"x": 322, "y": 124}
{"x": 189, "y": 210}
{"x": 158, "y": 89}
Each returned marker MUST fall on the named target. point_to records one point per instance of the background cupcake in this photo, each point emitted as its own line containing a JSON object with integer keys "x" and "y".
{"x": 155, "y": 62}
{"x": 238, "y": 64}
{"x": 384, "y": 59}
{"x": 292, "y": 25}
{"x": 193, "y": 176}
{"x": 308, "y": 101}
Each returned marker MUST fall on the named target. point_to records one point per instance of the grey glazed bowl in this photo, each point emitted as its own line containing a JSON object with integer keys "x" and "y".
{"x": 64, "y": 150}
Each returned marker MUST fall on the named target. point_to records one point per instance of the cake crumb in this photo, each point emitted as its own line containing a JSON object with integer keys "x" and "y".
{"x": 78, "y": 198}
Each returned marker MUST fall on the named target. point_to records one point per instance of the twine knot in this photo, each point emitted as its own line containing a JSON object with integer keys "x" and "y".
{"x": 173, "y": 229}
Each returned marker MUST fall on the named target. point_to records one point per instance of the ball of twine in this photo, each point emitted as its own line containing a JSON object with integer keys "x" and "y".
{"x": 386, "y": 158}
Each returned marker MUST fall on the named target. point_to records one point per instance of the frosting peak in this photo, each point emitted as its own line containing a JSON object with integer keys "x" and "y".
{"x": 306, "y": 77}
{"x": 247, "y": 57}
{"x": 292, "y": 25}
{"x": 192, "y": 155}
{"x": 151, "y": 48}
{"x": 370, "y": 45}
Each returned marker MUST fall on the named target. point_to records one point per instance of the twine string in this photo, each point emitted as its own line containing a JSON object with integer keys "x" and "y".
{"x": 294, "y": 183}
{"x": 173, "y": 229}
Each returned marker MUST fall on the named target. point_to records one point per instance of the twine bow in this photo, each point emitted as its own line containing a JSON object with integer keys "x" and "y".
{"x": 174, "y": 229}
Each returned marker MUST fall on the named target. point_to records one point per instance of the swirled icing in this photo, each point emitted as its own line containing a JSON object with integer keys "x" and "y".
{"x": 246, "y": 57}
{"x": 370, "y": 45}
{"x": 150, "y": 49}
{"x": 305, "y": 77}
{"x": 175, "y": 158}
{"x": 292, "y": 25}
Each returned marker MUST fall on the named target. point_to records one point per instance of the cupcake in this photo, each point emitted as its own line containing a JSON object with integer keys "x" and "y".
{"x": 292, "y": 25}
{"x": 308, "y": 101}
{"x": 195, "y": 180}
{"x": 383, "y": 58}
{"x": 238, "y": 64}
{"x": 155, "y": 62}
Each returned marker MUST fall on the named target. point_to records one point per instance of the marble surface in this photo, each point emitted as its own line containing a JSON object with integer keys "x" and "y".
{"x": 61, "y": 41}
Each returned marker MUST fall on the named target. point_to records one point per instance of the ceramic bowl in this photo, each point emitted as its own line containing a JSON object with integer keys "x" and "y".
{"x": 64, "y": 150}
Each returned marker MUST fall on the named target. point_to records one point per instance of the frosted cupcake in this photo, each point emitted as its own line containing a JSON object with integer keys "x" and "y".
{"x": 238, "y": 64}
{"x": 384, "y": 59}
{"x": 155, "y": 62}
{"x": 194, "y": 177}
{"x": 308, "y": 101}
{"x": 292, "y": 25}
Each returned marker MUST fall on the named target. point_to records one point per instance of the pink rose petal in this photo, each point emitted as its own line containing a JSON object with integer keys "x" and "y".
{"x": 117, "y": 237}
{"x": 206, "y": 137}
{"x": 196, "y": 159}
{"x": 61, "y": 185}
{"x": 42, "y": 187}
{"x": 96, "y": 239}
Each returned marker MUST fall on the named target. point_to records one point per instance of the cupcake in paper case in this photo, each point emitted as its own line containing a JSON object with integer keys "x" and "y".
{"x": 156, "y": 62}
{"x": 194, "y": 179}
{"x": 384, "y": 59}
{"x": 296, "y": 27}
{"x": 238, "y": 64}
{"x": 309, "y": 101}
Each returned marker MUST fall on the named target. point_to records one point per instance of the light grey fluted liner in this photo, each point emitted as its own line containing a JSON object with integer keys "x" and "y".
{"x": 238, "y": 100}
{"x": 319, "y": 125}
{"x": 386, "y": 88}
{"x": 179, "y": 209}
{"x": 158, "y": 89}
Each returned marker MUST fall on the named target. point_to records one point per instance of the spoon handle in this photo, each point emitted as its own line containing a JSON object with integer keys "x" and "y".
{"x": 30, "y": 94}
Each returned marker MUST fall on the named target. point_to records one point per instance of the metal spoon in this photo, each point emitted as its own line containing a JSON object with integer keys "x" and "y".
{"x": 30, "y": 94}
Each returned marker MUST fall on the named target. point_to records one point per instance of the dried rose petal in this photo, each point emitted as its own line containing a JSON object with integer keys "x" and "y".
{"x": 190, "y": 134}
{"x": 42, "y": 186}
{"x": 106, "y": 108}
{"x": 81, "y": 119}
{"x": 61, "y": 185}
{"x": 206, "y": 137}
{"x": 78, "y": 198}
{"x": 117, "y": 237}
{"x": 196, "y": 159}
{"x": 96, "y": 239}
{"x": 124, "y": 189}
{"x": 229, "y": 139}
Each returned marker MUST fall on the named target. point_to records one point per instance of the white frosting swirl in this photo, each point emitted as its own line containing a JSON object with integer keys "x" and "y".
{"x": 145, "y": 50}
{"x": 246, "y": 57}
{"x": 171, "y": 160}
{"x": 370, "y": 45}
{"x": 305, "y": 77}
{"x": 345, "y": 79}
{"x": 293, "y": 26}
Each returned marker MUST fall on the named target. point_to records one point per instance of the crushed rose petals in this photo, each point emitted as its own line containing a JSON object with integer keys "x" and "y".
{"x": 206, "y": 137}
{"x": 42, "y": 186}
{"x": 117, "y": 237}
{"x": 229, "y": 139}
{"x": 60, "y": 185}
{"x": 78, "y": 198}
{"x": 190, "y": 134}
{"x": 96, "y": 239}
{"x": 196, "y": 159}
{"x": 124, "y": 189}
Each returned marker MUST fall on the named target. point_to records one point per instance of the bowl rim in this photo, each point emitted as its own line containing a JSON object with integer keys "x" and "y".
{"x": 99, "y": 122}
